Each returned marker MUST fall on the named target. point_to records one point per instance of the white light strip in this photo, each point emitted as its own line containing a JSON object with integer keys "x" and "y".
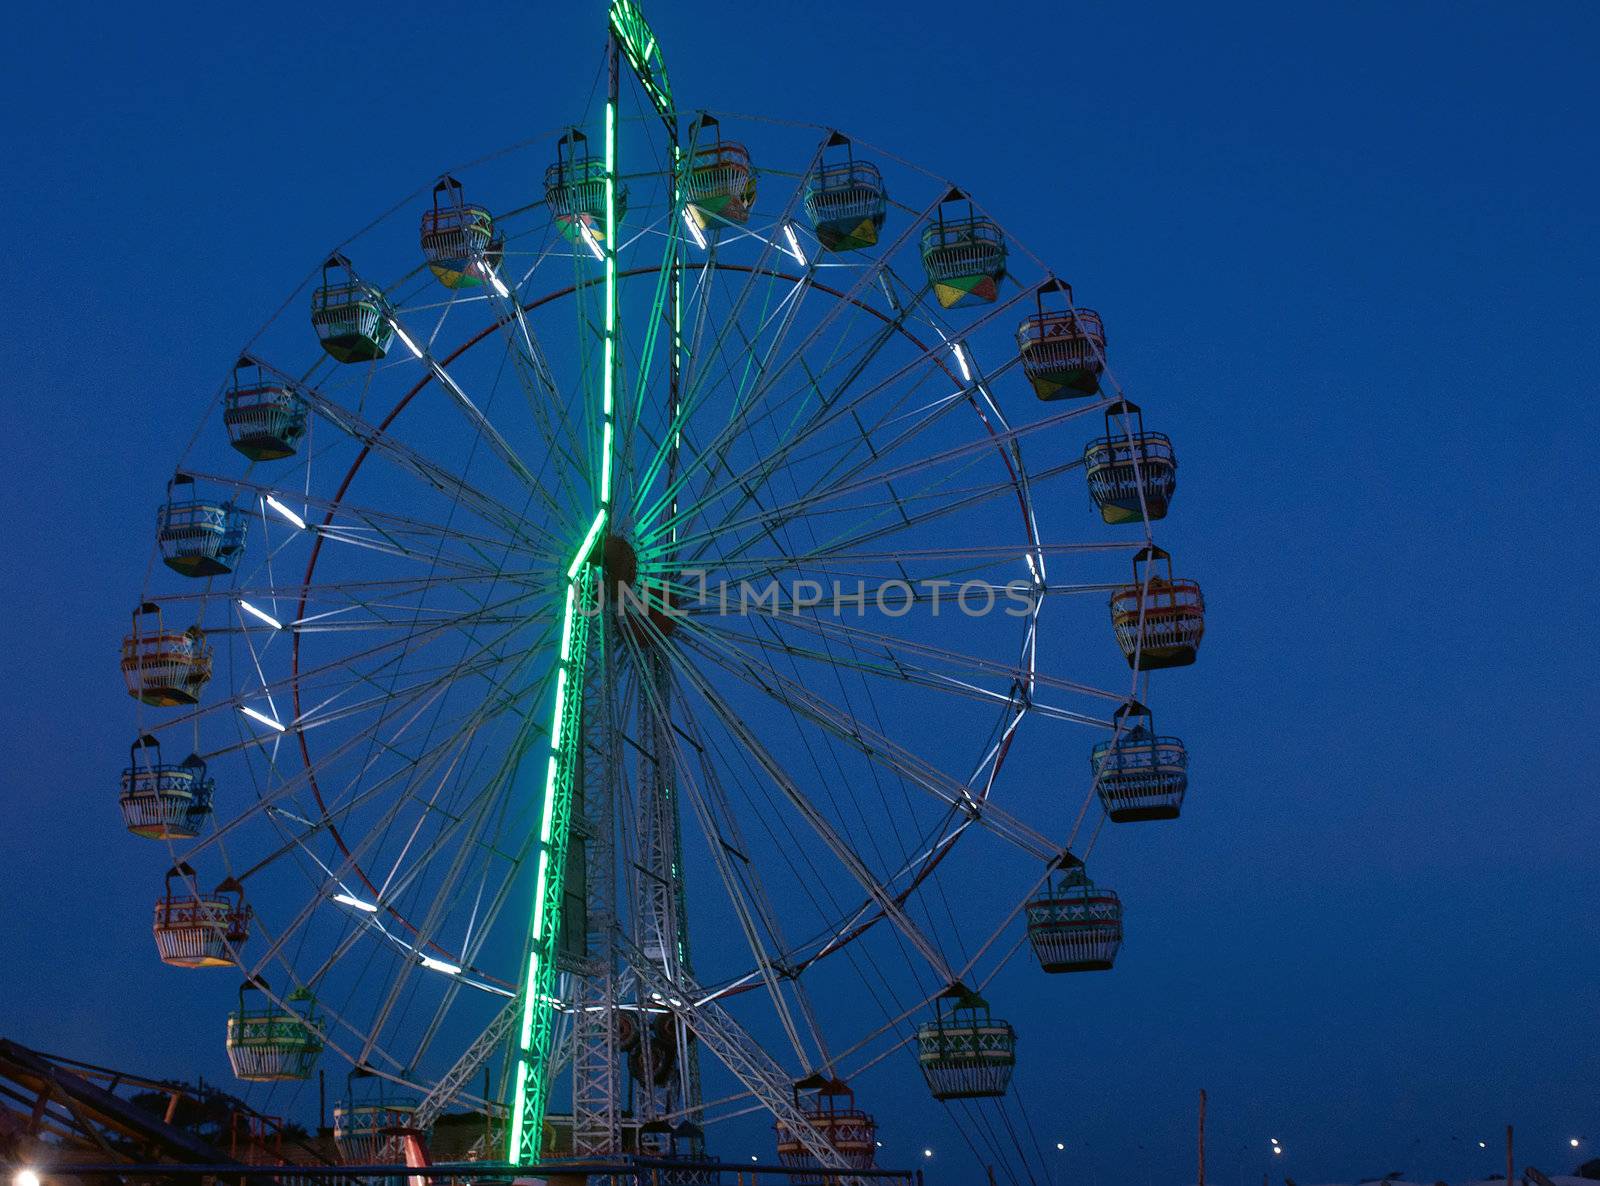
{"x": 355, "y": 903}
{"x": 590, "y": 241}
{"x": 263, "y": 718}
{"x": 401, "y": 334}
{"x": 794, "y": 244}
{"x": 961, "y": 361}
{"x": 440, "y": 966}
{"x": 694, "y": 230}
{"x": 262, "y": 614}
{"x": 300, "y": 524}
{"x": 494, "y": 280}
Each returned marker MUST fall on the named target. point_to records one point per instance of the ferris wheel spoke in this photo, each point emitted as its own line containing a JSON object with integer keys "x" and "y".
{"x": 481, "y": 663}
{"x": 879, "y": 748}
{"x": 782, "y": 961}
{"x": 863, "y": 283}
{"x": 711, "y": 460}
{"x": 752, "y": 915}
{"x": 544, "y": 399}
{"x": 472, "y": 951}
{"x": 826, "y": 414}
{"x": 884, "y": 664}
{"x": 833, "y": 482}
{"x": 736, "y": 310}
{"x": 738, "y": 422}
{"x": 443, "y": 896}
{"x": 470, "y": 411}
{"x": 404, "y": 713}
{"x": 897, "y": 519}
{"x": 378, "y": 440}
{"x": 382, "y": 530}
{"x": 819, "y": 501}
{"x": 698, "y": 388}
{"x": 322, "y": 713}
{"x": 720, "y": 367}
{"x": 783, "y": 315}
{"x": 394, "y": 886}
{"x": 734, "y": 723}
{"x": 892, "y": 651}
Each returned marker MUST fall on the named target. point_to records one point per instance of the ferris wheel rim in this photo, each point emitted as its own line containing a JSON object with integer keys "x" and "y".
{"x": 1014, "y": 711}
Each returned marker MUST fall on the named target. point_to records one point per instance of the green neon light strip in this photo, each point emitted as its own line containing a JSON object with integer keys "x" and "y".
{"x": 531, "y": 1089}
{"x": 643, "y": 52}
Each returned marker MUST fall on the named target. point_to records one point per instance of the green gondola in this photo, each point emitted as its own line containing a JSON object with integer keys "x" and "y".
{"x": 272, "y": 1043}
{"x": 350, "y": 316}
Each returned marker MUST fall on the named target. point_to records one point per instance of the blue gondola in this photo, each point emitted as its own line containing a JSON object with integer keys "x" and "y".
{"x": 1139, "y": 774}
{"x": 199, "y": 537}
{"x": 845, "y": 199}
{"x": 163, "y": 800}
{"x": 351, "y": 317}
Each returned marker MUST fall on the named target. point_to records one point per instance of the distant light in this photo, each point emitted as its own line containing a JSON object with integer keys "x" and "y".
{"x": 1061, "y": 1144}
{"x": 590, "y": 241}
{"x": 694, "y": 230}
{"x": 299, "y": 523}
{"x": 401, "y": 334}
{"x": 1272, "y": 1140}
{"x": 355, "y": 903}
{"x": 26, "y": 1178}
{"x": 261, "y": 614}
{"x": 753, "y": 1157}
{"x": 1482, "y": 1145}
{"x": 927, "y": 1152}
{"x": 880, "y": 1144}
{"x": 794, "y": 244}
{"x": 961, "y": 361}
{"x": 440, "y": 966}
{"x": 1277, "y": 1150}
{"x": 263, "y": 718}
{"x": 1573, "y": 1142}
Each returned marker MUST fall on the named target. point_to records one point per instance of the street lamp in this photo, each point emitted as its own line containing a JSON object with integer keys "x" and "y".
{"x": 25, "y": 1177}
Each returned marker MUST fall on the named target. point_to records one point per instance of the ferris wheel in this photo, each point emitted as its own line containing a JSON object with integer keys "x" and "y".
{"x": 594, "y": 649}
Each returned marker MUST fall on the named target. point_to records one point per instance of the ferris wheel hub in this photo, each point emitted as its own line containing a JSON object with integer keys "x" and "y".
{"x": 619, "y": 562}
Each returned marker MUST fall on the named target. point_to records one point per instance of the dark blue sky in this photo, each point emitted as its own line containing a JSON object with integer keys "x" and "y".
{"x": 1350, "y": 252}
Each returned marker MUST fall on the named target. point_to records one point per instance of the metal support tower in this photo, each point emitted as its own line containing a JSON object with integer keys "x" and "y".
{"x": 629, "y": 37}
